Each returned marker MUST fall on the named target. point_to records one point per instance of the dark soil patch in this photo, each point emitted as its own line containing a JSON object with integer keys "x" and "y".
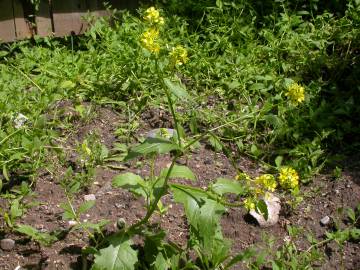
{"x": 322, "y": 197}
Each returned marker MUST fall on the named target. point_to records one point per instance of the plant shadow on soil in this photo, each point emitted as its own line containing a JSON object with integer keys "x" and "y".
{"x": 323, "y": 197}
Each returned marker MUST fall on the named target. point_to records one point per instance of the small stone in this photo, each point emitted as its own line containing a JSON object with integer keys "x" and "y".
{"x": 90, "y": 197}
{"x": 7, "y": 244}
{"x": 72, "y": 223}
{"x": 120, "y": 223}
{"x": 325, "y": 220}
{"x": 337, "y": 191}
{"x": 119, "y": 205}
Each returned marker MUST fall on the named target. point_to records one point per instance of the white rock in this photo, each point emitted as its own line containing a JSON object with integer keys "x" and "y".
{"x": 325, "y": 220}
{"x": 90, "y": 197}
{"x": 273, "y": 207}
{"x": 72, "y": 223}
{"x": 20, "y": 120}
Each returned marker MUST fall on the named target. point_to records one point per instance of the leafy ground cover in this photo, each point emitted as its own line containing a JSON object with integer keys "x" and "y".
{"x": 242, "y": 100}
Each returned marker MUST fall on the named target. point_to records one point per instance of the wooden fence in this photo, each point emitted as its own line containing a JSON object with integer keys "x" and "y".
{"x": 19, "y": 20}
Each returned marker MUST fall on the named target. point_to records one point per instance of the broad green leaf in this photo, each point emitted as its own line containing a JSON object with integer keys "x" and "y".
{"x": 67, "y": 85}
{"x": 176, "y": 88}
{"x": 43, "y": 238}
{"x": 118, "y": 256}
{"x": 214, "y": 142}
{"x": 161, "y": 263}
{"x": 224, "y": 185}
{"x": 152, "y": 146}
{"x": 191, "y": 198}
{"x": 85, "y": 206}
{"x": 132, "y": 182}
{"x": 179, "y": 172}
{"x": 262, "y": 209}
{"x": 15, "y": 210}
{"x": 88, "y": 225}
{"x": 202, "y": 213}
{"x": 68, "y": 211}
{"x": 254, "y": 150}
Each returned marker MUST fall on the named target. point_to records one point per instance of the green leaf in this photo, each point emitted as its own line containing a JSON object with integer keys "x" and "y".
{"x": 15, "y": 209}
{"x": 85, "y": 206}
{"x": 254, "y": 150}
{"x": 262, "y": 209}
{"x": 351, "y": 215}
{"x": 42, "y": 238}
{"x": 93, "y": 226}
{"x": 215, "y": 143}
{"x": 355, "y": 233}
{"x": 224, "y": 185}
{"x": 67, "y": 85}
{"x": 179, "y": 172}
{"x": 152, "y": 146}
{"x": 132, "y": 182}
{"x": 278, "y": 161}
{"x": 5, "y": 173}
{"x": 177, "y": 89}
{"x": 68, "y": 211}
{"x": 202, "y": 213}
{"x": 118, "y": 256}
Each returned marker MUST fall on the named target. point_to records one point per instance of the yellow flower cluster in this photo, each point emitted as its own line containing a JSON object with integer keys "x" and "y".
{"x": 267, "y": 182}
{"x": 296, "y": 93}
{"x": 179, "y": 55}
{"x": 149, "y": 40}
{"x": 243, "y": 177}
{"x": 288, "y": 178}
{"x": 263, "y": 185}
{"x": 249, "y": 203}
{"x": 153, "y": 16}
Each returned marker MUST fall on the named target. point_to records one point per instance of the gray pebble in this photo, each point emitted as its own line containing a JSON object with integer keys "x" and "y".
{"x": 325, "y": 220}
{"x": 7, "y": 244}
{"x": 90, "y": 197}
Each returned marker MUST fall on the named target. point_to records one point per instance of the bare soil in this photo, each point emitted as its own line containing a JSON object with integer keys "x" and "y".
{"x": 323, "y": 196}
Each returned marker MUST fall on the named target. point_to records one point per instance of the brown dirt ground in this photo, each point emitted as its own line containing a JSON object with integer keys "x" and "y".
{"x": 322, "y": 197}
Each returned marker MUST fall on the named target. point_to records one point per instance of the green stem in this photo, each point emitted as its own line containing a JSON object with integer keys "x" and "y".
{"x": 157, "y": 198}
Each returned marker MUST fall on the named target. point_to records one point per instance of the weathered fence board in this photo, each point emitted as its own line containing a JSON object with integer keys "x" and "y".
{"x": 43, "y": 20}
{"x": 18, "y": 19}
{"x": 7, "y": 25}
{"x": 23, "y": 28}
{"x": 67, "y": 17}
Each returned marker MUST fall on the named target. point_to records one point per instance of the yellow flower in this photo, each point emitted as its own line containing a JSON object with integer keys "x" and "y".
{"x": 267, "y": 181}
{"x": 179, "y": 55}
{"x": 249, "y": 204}
{"x": 288, "y": 178}
{"x": 243, "y": 177}
{"x": 149, "y": 40}
{"x": 296, "y": 93}
{"x": 153, "y": 16}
